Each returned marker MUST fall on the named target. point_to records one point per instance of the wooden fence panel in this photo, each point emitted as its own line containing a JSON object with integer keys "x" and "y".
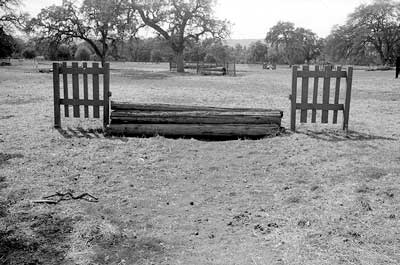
{"x": 75, "y": 71}
{"x": 326, "y": 106}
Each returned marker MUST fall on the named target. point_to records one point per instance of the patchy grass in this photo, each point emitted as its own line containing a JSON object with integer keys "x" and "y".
{"x": 317, "y": 196}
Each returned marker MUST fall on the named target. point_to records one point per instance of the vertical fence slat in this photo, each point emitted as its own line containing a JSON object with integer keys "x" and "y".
{"x": 293, "y": 99}
{"x": 326, "y": 92}
{"x": 337, "y": 91}
{"x": 106, "y": 90}
{"x": 96, "y": 93}
{"x": 304, "y": 92}
{"x": 85, "y": 90}
{"x": 315, "y": 95}
{"x": 346, "y": 111}
{"x": 75, "y": 88}
{"x": 56, "y": 91}
{"x": 65, "y": 87}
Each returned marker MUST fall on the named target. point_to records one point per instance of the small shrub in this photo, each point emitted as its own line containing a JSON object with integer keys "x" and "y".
{"x": 210, "y": 59}
{"x": 29, "y": 53}
{"x": 63, "y": 52}
{"x": 83, "y": 53}
{"x": 110, "y": 58}
{"x": 94, "y": 57}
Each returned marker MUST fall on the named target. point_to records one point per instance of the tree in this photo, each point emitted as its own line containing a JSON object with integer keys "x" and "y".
{"x": 29, "y": 53}
{"x": 8, "y": 14}
{"x": 258, "y": 52}
{"x": 311, "y": 45}
{"x": 180, "y": 22}
{"x": 100, "y": 23}
{"x": 282, "y": 38}
{"x": 295, "y": 45}
{"x": 7, "y": 44}
{"x": 377, "y": 24}
{"x": 82, "y": 53}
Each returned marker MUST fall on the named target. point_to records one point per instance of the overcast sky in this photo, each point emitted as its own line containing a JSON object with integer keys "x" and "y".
{"x": 252, "y": 18}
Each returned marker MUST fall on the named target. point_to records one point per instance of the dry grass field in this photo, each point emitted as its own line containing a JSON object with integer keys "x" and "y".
{"x": 317, "y": 196}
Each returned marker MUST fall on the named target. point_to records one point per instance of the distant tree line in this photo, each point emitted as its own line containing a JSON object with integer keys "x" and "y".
{"x": 107, "y": 30}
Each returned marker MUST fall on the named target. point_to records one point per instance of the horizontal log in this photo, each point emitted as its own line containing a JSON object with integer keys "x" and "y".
{"x": 196, "y": 117}
{"x": 213, "y": 69}
{"x": 310, "y": 106}
{"x": 195, "y": 130}
{"x": 171, "y": 107}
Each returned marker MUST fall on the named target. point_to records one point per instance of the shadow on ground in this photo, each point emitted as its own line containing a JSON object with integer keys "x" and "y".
{"x": 81, "y": 133}
{"x": 340, "y": 136}
{"x": 70, "y": 133}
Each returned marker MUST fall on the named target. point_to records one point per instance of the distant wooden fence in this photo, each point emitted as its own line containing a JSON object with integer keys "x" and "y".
{"x": 325, "y": 106}
{"x": 207, "y": 68}
{"x": 96, "y": 101}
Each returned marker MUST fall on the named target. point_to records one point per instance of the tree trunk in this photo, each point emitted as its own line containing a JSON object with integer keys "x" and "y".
{"x": 180, "y": 64}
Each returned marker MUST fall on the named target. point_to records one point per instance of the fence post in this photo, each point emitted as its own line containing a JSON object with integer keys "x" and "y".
{"x": 56, "y": 92}
{"x": 75, "y": 88}
{"x": 106, "y": 94}
{"x": 346, "y": 112}
{"x": 304, "y": 93}
{"x": 293, "y": 99}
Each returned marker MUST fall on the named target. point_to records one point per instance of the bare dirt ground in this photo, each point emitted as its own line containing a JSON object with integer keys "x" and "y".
{"x": 318, "y": 196}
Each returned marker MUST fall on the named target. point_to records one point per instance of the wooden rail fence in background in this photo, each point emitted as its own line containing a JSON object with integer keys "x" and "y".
{"x": 207, "y": 68}
{"x": 325, "y": 106}
{"x": 89, "y": 99}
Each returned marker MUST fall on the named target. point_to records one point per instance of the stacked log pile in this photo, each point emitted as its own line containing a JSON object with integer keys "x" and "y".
{"x": 192, "y": 121}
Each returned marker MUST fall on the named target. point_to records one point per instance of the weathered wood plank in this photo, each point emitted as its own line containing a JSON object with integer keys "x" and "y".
{"x": 85, "y": 90}
{"x": 96, "y": 90}
{"x": 196, "y": 117}
{"x": 336, "y": 99}
{"x": 304, "y": 93}
{"x": 75, "y": 89}
{"x": 81, "y": 102}
{"x": 193, "y": 130}
{"x": 346, "y": 112}
{"x": 323, "y": 107}
{"x": 82, "y": 70}
{"x": 321, "y": 74}
{"x": 293, "y": 99}
{"x": 65, "y": 88}
{"x": 315, "y": 96}
{"x": 106, "y": 90}
{"x": 170, "y": 107}
{"x": 326, "y": 92}
{"x": 56, "y": 92}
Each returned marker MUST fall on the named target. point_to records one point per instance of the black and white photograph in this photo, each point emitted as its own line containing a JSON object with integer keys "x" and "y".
{"x": 199, "y": 132}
